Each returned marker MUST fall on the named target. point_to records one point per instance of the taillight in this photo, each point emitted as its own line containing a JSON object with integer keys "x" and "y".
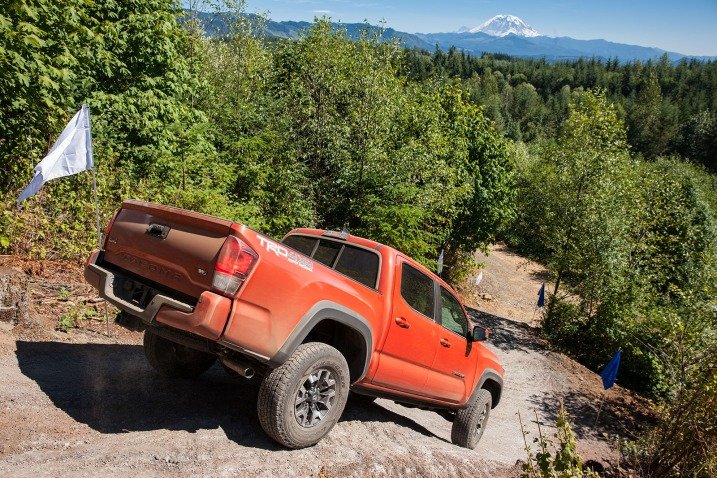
{"x": 106, "y": 233}
{"x": 234, "y": 264}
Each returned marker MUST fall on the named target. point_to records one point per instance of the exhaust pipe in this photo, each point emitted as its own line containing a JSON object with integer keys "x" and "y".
{"x": 242, "y": 368}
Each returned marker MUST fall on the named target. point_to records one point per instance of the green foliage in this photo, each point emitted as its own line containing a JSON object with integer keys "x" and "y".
{"x": 634, "y": 241}
{"x": 675, "y": 226}
{"x": 684, "y": 443}
{"x": 698, "y": 138}
{"x": 653, "y": 122}
{"x": 39, "y": 63}
{"x": 66, "y": 322}
{"x": 322, "y": 131}
{"x": 668, "y": 108}
{"x": 131, "y": 63}
{"x": 553, "y": 460}
{"x": 73, "y": 317}
{"x": 571, "y": 197}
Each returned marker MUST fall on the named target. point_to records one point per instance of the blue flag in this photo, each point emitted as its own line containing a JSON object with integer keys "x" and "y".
{"x": 541, "y": 295}
{"x": 609, "y": 373}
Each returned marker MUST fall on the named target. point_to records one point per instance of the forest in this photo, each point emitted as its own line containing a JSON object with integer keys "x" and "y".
{"x": 668, "y": 109}
{"x": 602, "y": 170}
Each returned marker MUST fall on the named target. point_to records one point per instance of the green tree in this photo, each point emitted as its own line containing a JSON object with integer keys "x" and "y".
{"x": 132, "y": 64}
{"x": 43, "y": 45}
{"x": 573, "y": 196}
{"x": 652, "y": 121}
{"x": 489, "y": 201}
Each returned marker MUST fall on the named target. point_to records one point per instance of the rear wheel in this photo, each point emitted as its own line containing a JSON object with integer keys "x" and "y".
{"x": 301, "y": 401}
{"x": 470, "y": 422}
{"x": 173, "y": 359}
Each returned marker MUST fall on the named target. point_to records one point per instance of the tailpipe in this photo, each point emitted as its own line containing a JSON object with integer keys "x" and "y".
{"x": 240, "y": 367}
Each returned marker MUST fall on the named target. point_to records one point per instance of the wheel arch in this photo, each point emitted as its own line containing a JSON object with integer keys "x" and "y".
{"x": 335, "y": 325}
{"x": 491, "y": 381}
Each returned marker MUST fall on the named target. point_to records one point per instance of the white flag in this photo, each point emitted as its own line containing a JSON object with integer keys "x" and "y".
{"x": 71, "y": 154}
{"x": 479, "y": 278}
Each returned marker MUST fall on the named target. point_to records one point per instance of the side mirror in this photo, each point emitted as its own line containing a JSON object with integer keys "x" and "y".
{"x": 480, "y": 334}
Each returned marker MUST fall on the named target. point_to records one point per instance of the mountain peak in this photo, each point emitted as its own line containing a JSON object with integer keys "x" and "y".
{"x": 502, "y": 25}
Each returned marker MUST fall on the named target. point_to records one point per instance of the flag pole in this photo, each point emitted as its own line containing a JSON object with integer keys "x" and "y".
{"x": 608, "y": 375}
{"x": 97, "y": 202}
{"x": 538, "y": 305}
{"x": 602, "y": 400}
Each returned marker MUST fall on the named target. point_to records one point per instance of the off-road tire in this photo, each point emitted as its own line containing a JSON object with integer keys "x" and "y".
{"x": 173, "y": 359}
{"x": 470, "y": 422}
{"x": 277, "y": 403}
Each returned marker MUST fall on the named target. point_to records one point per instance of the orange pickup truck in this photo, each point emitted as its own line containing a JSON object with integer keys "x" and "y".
{"x": 317, "y": 315}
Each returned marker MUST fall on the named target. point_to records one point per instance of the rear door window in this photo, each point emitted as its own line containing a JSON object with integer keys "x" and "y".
{"x": 417, "y": 290}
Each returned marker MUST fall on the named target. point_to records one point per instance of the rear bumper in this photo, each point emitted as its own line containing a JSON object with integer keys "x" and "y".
{"x": 207, "y": 319}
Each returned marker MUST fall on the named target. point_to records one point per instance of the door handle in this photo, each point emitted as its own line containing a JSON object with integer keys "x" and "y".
{"x": 401, "y": 322}
{"x": 446, "y": 343}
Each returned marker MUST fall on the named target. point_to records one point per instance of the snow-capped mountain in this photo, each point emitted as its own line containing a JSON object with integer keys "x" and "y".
{"x": 525, "y": 42}
{"x": 502, "y": 25}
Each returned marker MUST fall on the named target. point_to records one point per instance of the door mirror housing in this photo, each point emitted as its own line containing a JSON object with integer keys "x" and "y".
{"x": 480, "y": 334}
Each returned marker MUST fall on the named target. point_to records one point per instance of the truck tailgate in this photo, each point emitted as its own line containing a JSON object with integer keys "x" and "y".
{"x": 170, "y": 246}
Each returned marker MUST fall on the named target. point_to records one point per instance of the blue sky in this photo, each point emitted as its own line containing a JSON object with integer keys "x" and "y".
{"x": 685, "y": 26}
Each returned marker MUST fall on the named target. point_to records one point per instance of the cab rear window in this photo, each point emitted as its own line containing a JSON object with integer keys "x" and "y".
{"x": 359, "y": 264}
{"x": 302, "y": 244}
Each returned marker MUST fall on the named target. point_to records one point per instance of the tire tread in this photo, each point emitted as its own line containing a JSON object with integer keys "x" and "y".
{"x": 276, "y": 385}
{"x": 463, "y": 424}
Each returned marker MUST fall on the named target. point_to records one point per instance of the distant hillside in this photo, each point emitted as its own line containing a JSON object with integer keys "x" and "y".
{"x": 551, "y": 48}
{"x": 218, "y": 25}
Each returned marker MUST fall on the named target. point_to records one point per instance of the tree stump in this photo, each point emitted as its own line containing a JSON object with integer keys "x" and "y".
{"x": 14, "y": 296}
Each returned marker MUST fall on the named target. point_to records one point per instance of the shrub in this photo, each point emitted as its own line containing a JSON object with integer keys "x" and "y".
{"x": 553, "y": 460}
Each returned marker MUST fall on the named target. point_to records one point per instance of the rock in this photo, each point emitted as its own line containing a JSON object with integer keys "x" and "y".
{"x": 485, "y": 296}
{"x": 14, "y": 296}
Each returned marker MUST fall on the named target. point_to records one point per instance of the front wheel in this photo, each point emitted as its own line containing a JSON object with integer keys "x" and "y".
{"x": 300, "y": 401}
{"x": 470, "y": 422}
{"x": 173, "y": 359}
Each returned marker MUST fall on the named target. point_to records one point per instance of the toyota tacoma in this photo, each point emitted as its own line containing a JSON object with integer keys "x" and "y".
{"x": 315, "y": 316}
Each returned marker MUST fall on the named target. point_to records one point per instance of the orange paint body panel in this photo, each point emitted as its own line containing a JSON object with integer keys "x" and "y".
{"x": 278, "y": 294}
{"x": 207, "y": 320}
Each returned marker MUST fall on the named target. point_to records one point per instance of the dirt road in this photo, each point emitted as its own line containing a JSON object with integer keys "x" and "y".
{"x": 81, "y": 404}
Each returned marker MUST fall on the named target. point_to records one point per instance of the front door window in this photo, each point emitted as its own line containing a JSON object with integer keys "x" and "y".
{"x": 452, "y": 315}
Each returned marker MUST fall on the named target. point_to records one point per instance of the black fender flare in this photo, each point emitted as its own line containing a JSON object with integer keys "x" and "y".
{"x": 324, "y": 310}
{"x": 488, "y": 374}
